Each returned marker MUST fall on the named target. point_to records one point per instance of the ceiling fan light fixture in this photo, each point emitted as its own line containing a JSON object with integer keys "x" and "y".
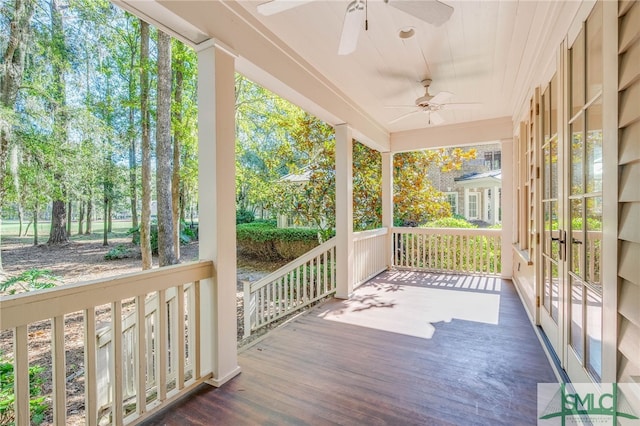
{"x": 406, "y": 33}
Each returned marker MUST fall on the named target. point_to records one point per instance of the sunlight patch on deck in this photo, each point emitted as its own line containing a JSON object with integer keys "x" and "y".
{"x": 411, "y": 310}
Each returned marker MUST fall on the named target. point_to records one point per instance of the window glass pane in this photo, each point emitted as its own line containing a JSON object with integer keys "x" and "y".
{"x": 546, "y": 294}
{"x": 577, "y": 74}
{"x": 554, "y": 105}
{"x": 593, "y": 247}
{"x": 577, "y": 145}
{"x": 576, "y": 238}
{"x": 546, "y": 235}
{"x": 594, "y": 334}
{"x": 594, "y": 52}
{"x": 593, "y": 162}
{"x": 576, "y": 317}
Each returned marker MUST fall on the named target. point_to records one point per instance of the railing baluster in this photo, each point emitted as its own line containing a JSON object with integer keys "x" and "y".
{"x": 21, "y": 376}
{"x": 161, "y": 340}
{"x": 59, "y": 379}
{"x": 141, "y": 355}
{"x": 196, "y": 335}
{"x": 90, "y": 369}
{"x": 116, "y": 363}
{"x": 180, "y": 352}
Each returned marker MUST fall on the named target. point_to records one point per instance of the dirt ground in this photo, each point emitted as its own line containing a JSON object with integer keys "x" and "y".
{"x": 83, "y": 260}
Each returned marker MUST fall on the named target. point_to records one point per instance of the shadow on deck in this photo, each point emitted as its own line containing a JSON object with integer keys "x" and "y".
{"x": 409, "y": 348}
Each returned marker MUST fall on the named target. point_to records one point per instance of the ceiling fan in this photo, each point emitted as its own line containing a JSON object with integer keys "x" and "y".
{"x": 431, "y": 11}
{"x": 432, "y": 104}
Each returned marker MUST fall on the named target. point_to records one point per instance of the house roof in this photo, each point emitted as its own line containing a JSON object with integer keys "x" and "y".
{"x": 304, "y": 176}
{"x": 488, "y": 179}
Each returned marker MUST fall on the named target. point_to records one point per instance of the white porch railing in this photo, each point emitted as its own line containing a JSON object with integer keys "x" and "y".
{"x": 147, "y": 359}
{"x": 292, "y": 287}
{"x": 456, "y": 250}
{"x": 370, "y": 252}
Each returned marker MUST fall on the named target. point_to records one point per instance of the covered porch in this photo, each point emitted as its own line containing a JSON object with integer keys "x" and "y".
{"x": 407, "y": 348}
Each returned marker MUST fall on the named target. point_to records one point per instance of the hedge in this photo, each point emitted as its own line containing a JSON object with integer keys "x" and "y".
{"x": 264, "y": 240}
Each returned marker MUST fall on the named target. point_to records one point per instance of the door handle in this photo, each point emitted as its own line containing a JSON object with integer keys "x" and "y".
{"x": 562, "y": 239}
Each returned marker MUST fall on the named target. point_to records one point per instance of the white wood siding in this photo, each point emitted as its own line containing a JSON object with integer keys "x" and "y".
{"x": 629, "y": 193}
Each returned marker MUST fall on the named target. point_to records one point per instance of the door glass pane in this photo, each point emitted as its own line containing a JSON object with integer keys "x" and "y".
{"x": 593, "y": 163}
{"x": 577, "y": 74}
{"x": 546, "y": 114}
{"x": 546, "y": 235}
{"x": 554, "y": 105}
{"x": 593, "y": 249}
{"x": 576, "y": 237}
{"x": 546, "y": 152}
{"x": 555, "y": 244}
{"x": 576, "y": 317}
{"x": 577, "y": 148}
{"x": 546, "y": 294}
{"x": 555, "y": 297}
{"x": 594, "y": 52}
{"x": 553, "y": 155}
{"x": 594, "y": 334}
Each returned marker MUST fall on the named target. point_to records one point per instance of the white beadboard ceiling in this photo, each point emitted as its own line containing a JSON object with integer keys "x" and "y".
{"x": 489, "y": 52}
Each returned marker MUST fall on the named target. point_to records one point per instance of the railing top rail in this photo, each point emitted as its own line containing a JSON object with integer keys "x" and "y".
{"x": 25, "y": 308}
{"x": 293, "y": 264}
{"x": 449, "y": 231}
{"x": 370, "y": 233}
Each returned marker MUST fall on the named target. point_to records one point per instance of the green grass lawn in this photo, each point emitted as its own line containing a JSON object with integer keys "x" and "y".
{"x": 10, "y": 230}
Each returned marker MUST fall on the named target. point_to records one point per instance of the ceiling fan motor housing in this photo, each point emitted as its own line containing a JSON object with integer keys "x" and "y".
{"x": 423, "y": 101}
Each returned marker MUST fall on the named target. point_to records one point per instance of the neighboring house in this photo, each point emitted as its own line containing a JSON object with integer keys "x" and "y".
{"x": 474, "y": 191}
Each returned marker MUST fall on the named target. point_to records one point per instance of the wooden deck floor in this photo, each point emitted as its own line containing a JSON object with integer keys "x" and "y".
{"x": 408, "y": 349}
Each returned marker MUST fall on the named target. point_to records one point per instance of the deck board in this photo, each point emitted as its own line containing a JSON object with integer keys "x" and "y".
{"x": 336, "y": 364}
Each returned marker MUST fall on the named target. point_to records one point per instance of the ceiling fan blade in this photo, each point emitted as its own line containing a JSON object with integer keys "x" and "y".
{"x": 276, "y": 6}
{"x": 441, "y": 98}
{"x": 468, "y": 105}
{"x": 431, "y": 11}
{"x": 435, "y": 118}
{"x": 403, "y": 116}
{"x": 353, "y": 19}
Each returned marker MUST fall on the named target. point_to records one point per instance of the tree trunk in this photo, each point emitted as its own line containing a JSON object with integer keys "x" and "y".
{"x": 166, "y": 251}
{"x": 145, "y": 220}
{"x": 58, "y": 234}
{"x": 105, "y": 222}
{"x": 133, "y": 165}
{"x": 80, "y": 217}
{"x": 11, "y": 71}
{"x": 110, "y": 216}
{"x": 177, "y": 141}
{"x": 26, "y": 230}
{"x": 89, "y": 216}
{"x": 69, "y": 205}
{"x": 35, "y": 226}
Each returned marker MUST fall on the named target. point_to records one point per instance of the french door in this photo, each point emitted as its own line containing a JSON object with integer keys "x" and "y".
{"x": 570, "y": 286}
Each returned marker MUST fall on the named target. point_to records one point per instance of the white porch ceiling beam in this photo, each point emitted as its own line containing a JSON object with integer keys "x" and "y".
{"x": 263, "y": 58}
{"x": 470, "y": 133}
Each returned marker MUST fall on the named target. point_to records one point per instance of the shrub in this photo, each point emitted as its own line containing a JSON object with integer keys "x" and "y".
{"x": 449, "y": 222}
{"x": 244, "y": 216}
{"x": 118, "y": 252}
{"x": 37, "y": 406}
{"x": 264, "y": 240}
{"x": 32, "y": 279}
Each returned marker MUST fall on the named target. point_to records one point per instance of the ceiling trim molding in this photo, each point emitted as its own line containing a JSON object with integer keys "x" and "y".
{"x": 461, "y": 134}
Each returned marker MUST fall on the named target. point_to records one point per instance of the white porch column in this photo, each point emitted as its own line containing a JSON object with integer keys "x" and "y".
{"x": 508, "y": 209}
{"x": 485, "y": 205}
{"x": 466, "y": 203}
{"x": 387, "y": 203}
{"x": 496, "y": 204}
{"x": 216, "y": 200}
{"x": 344, "y": 211}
